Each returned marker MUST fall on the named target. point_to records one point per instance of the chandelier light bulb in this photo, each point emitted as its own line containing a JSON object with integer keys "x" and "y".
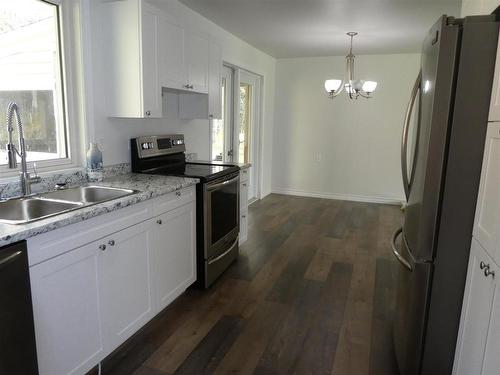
{"x": 369, "y": 86}
{"x": 332, "y": 85}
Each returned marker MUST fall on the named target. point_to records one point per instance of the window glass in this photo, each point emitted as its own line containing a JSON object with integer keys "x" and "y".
{"x": 30, "y": 75}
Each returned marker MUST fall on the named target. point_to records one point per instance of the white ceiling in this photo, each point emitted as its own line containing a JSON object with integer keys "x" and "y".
{"x": 301, "y": 28}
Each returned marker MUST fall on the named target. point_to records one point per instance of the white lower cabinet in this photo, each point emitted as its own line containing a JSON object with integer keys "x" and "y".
{"x": 67, "y": 312}
{"x": 89, "y": 300}
{"x": 174, "y": 253}
{"x": 479, "y": 327}
{"x": 125, "y": 283}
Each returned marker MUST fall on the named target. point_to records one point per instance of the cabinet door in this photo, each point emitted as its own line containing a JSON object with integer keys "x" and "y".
{"x": 65, "y": 293}
{"x": 196, "y": 46}
{"x": 487, "y": 219}
{"x": 243, "y": 227}
{"x": 244, "y": 196}
{"x": 495, "y": 94}
{"x": 491, "y": 364}
{"x": 125, "y": 275}
{"x": 174, "y": 253}
{"x": 215, "y": 81}
{"x": 173, "y": 72}
{"x": 151, "y": 89}
{"x": 476, "y": 312}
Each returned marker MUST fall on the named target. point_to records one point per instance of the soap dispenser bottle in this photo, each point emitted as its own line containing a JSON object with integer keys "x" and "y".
{"x": 94, "y": 163}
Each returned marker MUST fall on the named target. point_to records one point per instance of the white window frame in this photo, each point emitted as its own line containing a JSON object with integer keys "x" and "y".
{"x": 71, "y": 43}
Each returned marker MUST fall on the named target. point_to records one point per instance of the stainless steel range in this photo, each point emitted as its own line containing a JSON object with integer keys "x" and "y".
{"x": 217, "y": 199}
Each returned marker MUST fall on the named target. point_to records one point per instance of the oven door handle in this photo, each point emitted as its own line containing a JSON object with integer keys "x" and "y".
{"x": 225, "y": 252}
{"x": 219, "y": 185}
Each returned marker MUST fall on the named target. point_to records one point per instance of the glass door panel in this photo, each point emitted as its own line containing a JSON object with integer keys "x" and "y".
{"x": 244, "y": 132}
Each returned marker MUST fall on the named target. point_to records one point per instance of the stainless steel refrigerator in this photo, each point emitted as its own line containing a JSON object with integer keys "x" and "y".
{"x": 441, "y": 163}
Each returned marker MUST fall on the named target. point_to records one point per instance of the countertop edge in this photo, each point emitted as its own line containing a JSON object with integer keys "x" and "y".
{"x": 20, "y": 232}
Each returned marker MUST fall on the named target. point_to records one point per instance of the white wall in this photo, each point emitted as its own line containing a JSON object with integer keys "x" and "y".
{"x": 341, "y": 148}
{"x": 477, "y": 7}
{"x": 113, "y": 134}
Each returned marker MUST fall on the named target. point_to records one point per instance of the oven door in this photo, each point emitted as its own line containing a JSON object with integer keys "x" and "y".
{"x": 222, "y": 207}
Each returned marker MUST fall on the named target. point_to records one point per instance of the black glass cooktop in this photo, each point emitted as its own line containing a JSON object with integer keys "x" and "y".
{"x": 202, "y": 171}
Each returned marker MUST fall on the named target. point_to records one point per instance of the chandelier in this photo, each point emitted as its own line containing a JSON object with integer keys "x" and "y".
{"x": 353, "y": 87}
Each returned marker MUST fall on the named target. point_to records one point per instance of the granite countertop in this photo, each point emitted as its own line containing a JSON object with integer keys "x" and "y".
{"x": 149, "y": 186}
{"x": 241, "y": 165}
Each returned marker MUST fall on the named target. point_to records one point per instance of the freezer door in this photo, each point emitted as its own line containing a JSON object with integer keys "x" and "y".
{"x": 412, "y": 300}
{"x": 434, "y": 114}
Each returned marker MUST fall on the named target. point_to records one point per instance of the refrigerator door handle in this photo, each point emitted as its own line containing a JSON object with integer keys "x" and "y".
{"x": 396, "y": 252}
{"x": 404, "y": 138}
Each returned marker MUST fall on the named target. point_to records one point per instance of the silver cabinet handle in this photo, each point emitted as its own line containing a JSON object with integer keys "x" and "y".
{"x": 487, "y": 272}
{"x": 243, "y": 216}
{"x": 244, "y": 185}
{"x": 178, "y": 193}
{"x": 483, "y": 265}
{"x": 395, "y": 251}
{"x": 159, "y": 222}
{"x": 404, "y": 137}
{"x": 111, "y": 242}
{"x": 210, "y": 116}
{"x": 102, "y": 247}
{"x": 148, "y": 113}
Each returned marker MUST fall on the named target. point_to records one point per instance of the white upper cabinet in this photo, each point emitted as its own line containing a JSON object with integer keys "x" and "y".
{"x": 495, "y": 94}
{"x": 130, "y": 34}
{"x": 173, "y": 72}
{"x": 215, "y": 81}
{"x": 196, "y": 47}
{"x": 487, "y": 219}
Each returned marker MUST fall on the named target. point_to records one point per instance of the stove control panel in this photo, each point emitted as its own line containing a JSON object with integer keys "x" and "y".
{"x": 158, "y": 145}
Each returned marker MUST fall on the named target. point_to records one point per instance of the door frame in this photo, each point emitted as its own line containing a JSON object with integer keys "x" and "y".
{"x": 256, "y": 169}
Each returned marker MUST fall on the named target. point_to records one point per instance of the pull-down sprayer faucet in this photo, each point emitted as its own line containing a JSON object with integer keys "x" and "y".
{"x": 13, "y": 151}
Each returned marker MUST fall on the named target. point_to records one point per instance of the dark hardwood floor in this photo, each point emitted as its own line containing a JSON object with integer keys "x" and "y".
{"x": 312, "y": 293}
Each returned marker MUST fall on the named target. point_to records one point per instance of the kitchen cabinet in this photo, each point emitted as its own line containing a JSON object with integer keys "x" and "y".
{"x": 67, "y": 312}
{"x": 244, "y": 180}
{"x": 479, "y": 331}
{"x": 174, "y": 256}
{"x": 125, "y": 282}
{"x": 215, "y": 81}
{"x": 97, "y": 282}
{"x": 494, "y": 114}
{"x": 132, "y": 65}
{"x": 196, "y": 49}
{"x": 173, "y": 72}
{"x": 487, "y": 219}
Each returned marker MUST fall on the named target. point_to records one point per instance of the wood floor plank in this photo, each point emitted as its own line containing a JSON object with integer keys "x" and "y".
{"x": 382, "y": 359}
{"x": 244, "y": 355}
{"x": 207, "y": 355}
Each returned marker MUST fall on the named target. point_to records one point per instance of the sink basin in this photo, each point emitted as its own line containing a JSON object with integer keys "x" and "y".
{"x": 40, "y": 206}
{"x": 87, "y": 194}
{"x": 24, "y": 210}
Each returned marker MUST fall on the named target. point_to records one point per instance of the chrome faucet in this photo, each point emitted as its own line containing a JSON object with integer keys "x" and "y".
{"x": 12, "y": 150}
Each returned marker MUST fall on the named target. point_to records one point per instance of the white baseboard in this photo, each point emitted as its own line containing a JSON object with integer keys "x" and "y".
{"x": 344, "y": 197}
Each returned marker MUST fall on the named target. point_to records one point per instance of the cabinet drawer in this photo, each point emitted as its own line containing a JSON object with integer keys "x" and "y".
{"x": 244, "y": 174}
{"x": 59, "y": 241}
{"x": 173, "y": 200}
{"x": 243, "y": 196}
{"x": 243, "y": 226}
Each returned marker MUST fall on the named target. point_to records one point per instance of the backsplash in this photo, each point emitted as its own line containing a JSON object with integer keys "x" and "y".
{"x": 72, "y": 178}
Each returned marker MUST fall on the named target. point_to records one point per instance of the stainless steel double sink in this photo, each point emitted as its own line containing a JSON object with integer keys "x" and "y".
{"x": 40, "y": 206}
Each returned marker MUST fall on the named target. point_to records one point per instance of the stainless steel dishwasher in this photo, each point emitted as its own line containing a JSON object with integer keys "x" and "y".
{"x": 17, "y": 333}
